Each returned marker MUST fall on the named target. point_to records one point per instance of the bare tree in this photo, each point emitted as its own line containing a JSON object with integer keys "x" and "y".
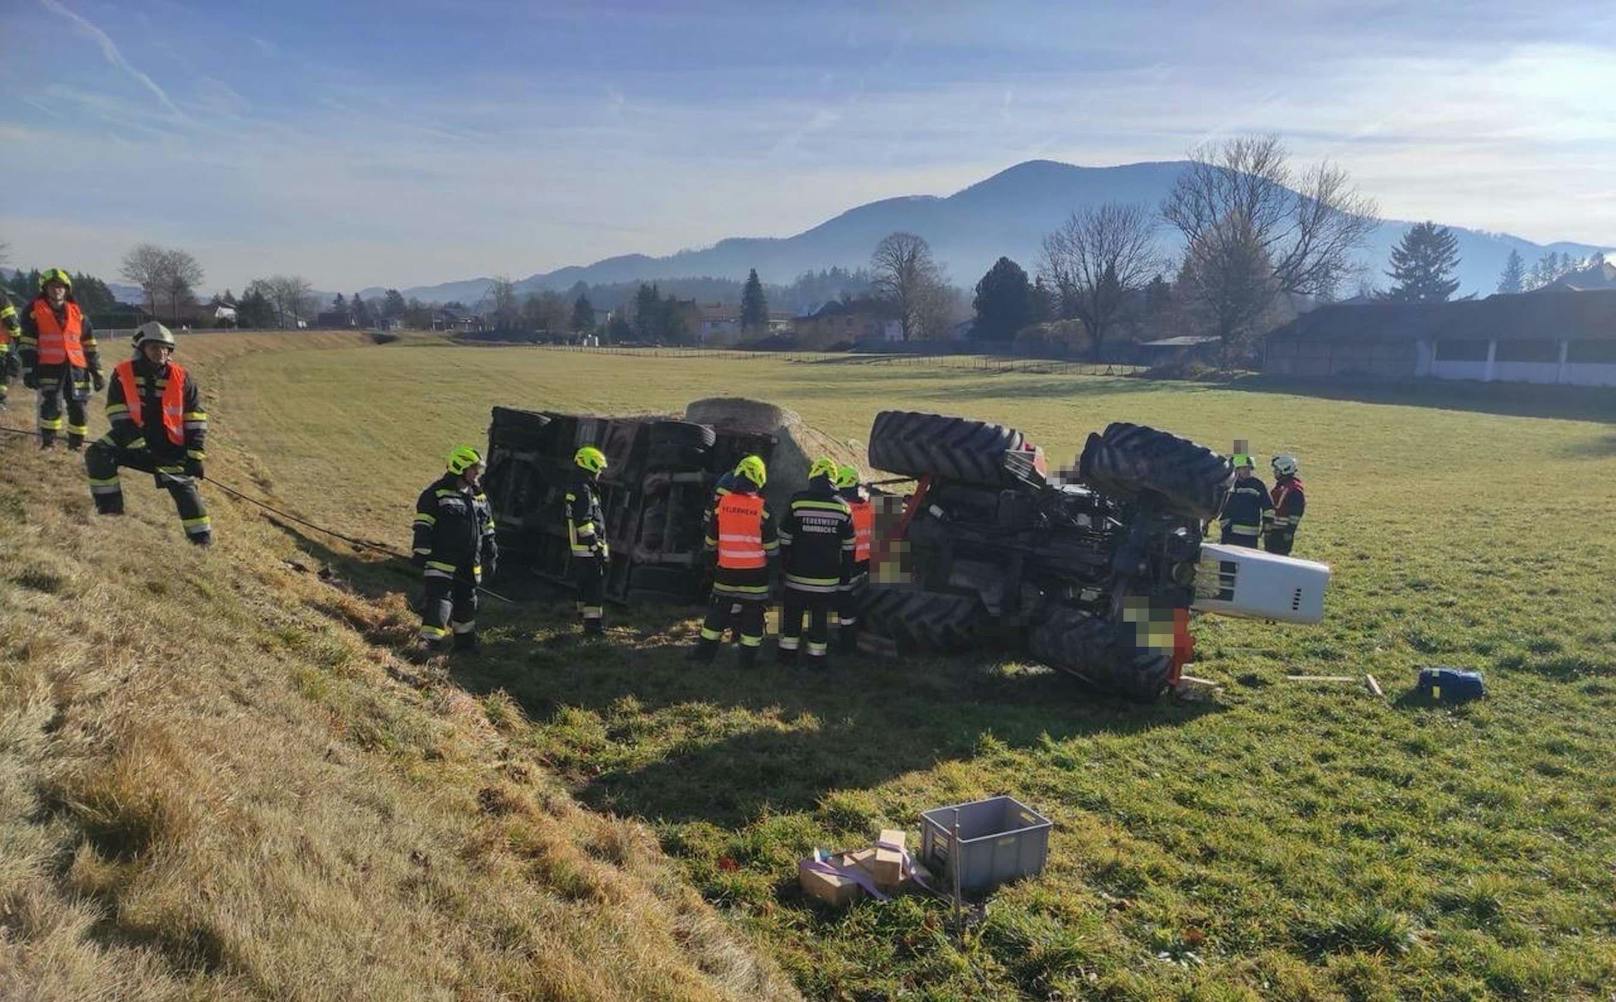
{"x": 904, "y": 275}
{"x": 146, "y": 265}
{"x": 181, "y": 275}
{"x": 1242, "y": 199}
{"x": 938, "y": 308}
{"x": 1228, "y": 282}
{"x": 290, "y": 296}
{"x": 504, "y": 306}
{"x": 1099, "y": 261}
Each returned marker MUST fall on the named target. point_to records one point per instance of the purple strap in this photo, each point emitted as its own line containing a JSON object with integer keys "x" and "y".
{"x": 851, "y": 871}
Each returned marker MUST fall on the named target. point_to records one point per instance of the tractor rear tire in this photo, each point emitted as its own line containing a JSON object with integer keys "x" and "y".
{"x": 958, "y": 449}
{"x": 1098, "y": 651}
{"x": 924, "y": 620}
{"x": 1132, "y": 461}
{"x": 687, "y": 433}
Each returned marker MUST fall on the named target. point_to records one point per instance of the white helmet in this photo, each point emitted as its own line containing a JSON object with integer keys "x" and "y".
{"x": 1285, "y": 464}
{"x": 153, "y": 331}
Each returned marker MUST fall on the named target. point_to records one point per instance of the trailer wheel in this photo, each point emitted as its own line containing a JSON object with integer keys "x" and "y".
{"x": 686, "y": 433}
{"x": 924, "y": 620}
{"x": 1096, "y": 650}
{"x": 958, "y": 449}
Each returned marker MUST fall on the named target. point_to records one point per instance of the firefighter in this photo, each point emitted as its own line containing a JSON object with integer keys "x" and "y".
{"x": 1248, "y": 508}
{"x": 59, "y": 359}
{"x": 1289, "y": 504}
{"x": 586, "y": 532}
{"x": 863, "y": 511}
{"x": 158, "y": 427}
{"x": 10, "y": 333}
{"x": 454, "y": 546}
{"x": 741, "y": 533}
{"x": 816, "y": 546}
{"x": 724, "y": 484}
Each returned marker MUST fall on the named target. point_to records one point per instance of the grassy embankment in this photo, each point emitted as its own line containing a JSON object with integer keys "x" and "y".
{"x": 217, "y": 780}
{"x": 1289, "y": 842}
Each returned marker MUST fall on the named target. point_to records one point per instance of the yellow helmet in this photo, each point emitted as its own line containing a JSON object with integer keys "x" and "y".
{"x": 463, "y": 458}
{"x": 752, "y": 468}
{"x": 590, "y": 459}
{"x": 55, "y": 275}
{"x": 846, "y": 476}
{"x": 824, "y": 466}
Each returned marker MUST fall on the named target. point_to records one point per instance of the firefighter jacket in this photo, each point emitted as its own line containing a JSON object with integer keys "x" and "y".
{"x": 742, "y": 535}
{"x": 863, "y": 511}
{"x": 10, "y": 326}
{"x": 57, "y": 337}
{"x": 586, "y": 524}
{"x": 454, "y": 529}
{"x": 157, "y": 407}
{"x": 1290, "y": 502}
{"x": 1248, "y": 508}
{"x": 816, "y": 539}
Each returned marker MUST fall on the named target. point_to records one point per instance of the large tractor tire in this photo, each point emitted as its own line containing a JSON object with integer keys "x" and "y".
{"x": 917, "y": 445}
{"x": 1132, "y": 461}
{"x": 924, "y": 620}
{"x": 1096, "y": 650}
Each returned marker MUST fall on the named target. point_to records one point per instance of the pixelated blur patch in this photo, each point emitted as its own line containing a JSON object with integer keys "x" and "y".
{"x": 1153, "y": 627}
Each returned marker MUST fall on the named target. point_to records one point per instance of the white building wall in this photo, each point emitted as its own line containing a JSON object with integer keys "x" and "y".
{"x": 1458, "y": 370}
{"x": 1590, "y": 373}
{"x": 1526, "y": 372}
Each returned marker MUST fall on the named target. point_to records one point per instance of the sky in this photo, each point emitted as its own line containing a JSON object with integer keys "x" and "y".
{"x": 399, "y": 143}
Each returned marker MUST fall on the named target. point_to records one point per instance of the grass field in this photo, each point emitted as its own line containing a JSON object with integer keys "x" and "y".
{"x": 1289, "y": 841}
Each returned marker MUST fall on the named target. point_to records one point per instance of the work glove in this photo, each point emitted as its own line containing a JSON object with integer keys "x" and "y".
{"x": 193, "y": 468}
{"x": 30, "y": 379}
{"x": 100, "y": 383}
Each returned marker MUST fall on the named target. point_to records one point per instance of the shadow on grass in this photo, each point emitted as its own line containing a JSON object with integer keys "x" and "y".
{"x": 713, "y": 742}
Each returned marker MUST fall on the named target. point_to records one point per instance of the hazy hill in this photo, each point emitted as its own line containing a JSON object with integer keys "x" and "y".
{"x": 1007, "y": 214}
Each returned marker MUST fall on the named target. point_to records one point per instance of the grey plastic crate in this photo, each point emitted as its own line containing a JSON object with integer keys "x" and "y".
{"x": 1001, "y": 839}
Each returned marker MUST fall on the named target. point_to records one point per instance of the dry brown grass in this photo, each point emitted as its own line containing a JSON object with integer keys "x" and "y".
{"x": 218, "y": 781}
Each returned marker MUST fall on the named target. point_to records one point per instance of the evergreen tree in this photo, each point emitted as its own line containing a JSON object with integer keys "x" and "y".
{"x": 618, "y": 329}
{"x": 255, "y": 310}
{"x": 583, "y": 315}
{"x": 1542, "y": 272}
{"x": 1423, "y": 263}
{"x": 1003, "y": 302}
{"x": 361, "y": 311}
{"x": 1514, "y": 277}
{"x": 1042, "y": 302}
{"x": 393, "y": 306}
{"x": 754, "y": 307}
{"x": 648, "y": 312}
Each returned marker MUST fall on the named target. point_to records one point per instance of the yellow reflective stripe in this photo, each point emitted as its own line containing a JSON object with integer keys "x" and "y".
{"x": 196, "y": 454}
{"x": 190, "y": 522}
{"x": 820, "y": 505}
{"x": 707, "y": 634}
{"x": 117, "y": 409}
{"x": 422, "y": 550}
{"x": 111, "y": 481}
{"x": 196, "y": 416}
{"x": 433, "y": 632}
{"x": 585, "y": 528}
{"x": 439, "y": 565}
{"x": 428, "y": 519}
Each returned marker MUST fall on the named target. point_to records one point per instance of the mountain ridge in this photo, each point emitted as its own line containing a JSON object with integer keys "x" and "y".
{"x": 1005, "y": 214}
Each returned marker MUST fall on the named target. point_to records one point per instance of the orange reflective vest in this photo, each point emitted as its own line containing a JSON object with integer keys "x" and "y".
{"x": 863, "y": 526}
{"x": 173, "y": 399}
{"x": 59, "y": 343}
{"x": 740, "y": 532}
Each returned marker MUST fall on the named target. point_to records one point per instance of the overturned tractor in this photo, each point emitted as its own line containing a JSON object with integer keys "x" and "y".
{"x": 1093, "y": 571}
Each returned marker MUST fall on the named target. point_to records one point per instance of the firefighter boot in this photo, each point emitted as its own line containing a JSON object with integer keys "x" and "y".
{"x": 467, "y": 643}
{"x": 704, "y": 652}
{"x": 748, "y": 656}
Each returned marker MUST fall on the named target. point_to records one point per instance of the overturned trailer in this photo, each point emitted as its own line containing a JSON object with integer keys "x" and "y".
{"x": 1093, "y": 570}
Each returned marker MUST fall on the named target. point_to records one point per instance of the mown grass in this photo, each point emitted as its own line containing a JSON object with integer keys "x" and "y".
{"x": 217, "y": 780}
{"x": 1290, "y": 841}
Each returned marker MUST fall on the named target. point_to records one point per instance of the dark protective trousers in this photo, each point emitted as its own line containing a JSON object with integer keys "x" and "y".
{"x": 817, "y": 607}
{"x": 589, "y": 576}
{"x": 59, "y": 384}
{"x": 9, "y": 366}
{"x": 847, "y": 606}
{"x": 1279, "y": 542}
{"x": 1238, "y": 539}
{"x": 451, "y": 605}
{"x": 102, "y": 461}
{"x": 745, "y": 614}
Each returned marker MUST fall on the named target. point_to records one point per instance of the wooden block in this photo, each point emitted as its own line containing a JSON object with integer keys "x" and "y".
{"x": 887, "y": 865}
{"x": 1374, "y": 686}
{"x": 1322, "y": 678}
{"x": 829, "y": 888}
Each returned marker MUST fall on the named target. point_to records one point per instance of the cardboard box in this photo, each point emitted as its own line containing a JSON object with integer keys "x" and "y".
{"x": 887, "y": 865}
{"x": 829, "y": 888}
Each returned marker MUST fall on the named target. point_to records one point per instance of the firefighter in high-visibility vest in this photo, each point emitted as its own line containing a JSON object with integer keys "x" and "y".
{"x": 1248, "y": 508}
{"x": 454, "y": 547}
{"x": 158, "y": 427}
{"x": 816, "y": 547}
{"x": 586, "y": 534}
{"x": 742, "y": 535}
{"x": 59, "y": 359}
{"x": 1290, "y": 503}
{"x": 10, "y": 333}
{"x": 863, "y": 511}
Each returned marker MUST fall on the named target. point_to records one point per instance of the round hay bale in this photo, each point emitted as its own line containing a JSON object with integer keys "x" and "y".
{"x": 797, "y": 443}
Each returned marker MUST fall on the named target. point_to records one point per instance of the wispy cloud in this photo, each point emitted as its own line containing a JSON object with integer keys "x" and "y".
{"x": 109, "y": 49}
